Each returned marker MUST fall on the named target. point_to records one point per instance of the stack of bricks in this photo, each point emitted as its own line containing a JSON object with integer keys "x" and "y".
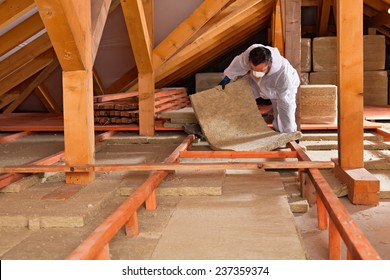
{"x": 122, "y": 108}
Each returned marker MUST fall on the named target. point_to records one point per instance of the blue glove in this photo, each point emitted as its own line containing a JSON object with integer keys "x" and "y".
{"x": 224, "y": 82}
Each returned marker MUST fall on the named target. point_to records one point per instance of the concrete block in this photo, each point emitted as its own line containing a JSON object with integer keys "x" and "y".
{"x": 205, "y": 81}
{"x": 22, "y": 184}
{"x": 298, "y": 205}
{"x": 318, "y": 104}
{"x": 306, "y": 54}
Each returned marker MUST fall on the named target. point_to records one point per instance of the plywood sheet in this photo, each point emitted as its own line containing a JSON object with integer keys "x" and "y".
{"x": 230, "y": 120}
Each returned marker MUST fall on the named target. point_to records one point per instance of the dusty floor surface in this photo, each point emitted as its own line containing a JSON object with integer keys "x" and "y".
{"x": 56, "y": 229}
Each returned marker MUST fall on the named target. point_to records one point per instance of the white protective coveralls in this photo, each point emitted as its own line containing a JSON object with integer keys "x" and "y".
{"x": 280, "y": 85}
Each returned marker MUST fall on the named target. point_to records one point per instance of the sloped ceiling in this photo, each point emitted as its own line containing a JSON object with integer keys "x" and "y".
{"x": 188, "y": 35}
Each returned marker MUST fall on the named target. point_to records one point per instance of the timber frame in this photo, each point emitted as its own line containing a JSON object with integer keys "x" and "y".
{"x": 69, "y": 36}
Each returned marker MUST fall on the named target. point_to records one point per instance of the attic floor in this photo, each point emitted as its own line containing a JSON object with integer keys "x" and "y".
{"x": 29, "y": 233}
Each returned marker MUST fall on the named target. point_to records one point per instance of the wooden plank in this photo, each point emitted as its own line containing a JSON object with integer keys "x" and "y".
{"x": 168, "y": 166}
{"x": 68, "y": 23}
{"x": 384, "y": 132}
{"x": 29, "y": 89}
{"x": 95, "y": 242}
{"x": 138, "y": 33}
{"x": 149, "y": 17}
{"x": 78, "y": 123}
{"x": 26, "y": 71}
{"x": 11, "y": 10}
{"x": 240, "y": 154}
{"x": 46, "y": 98}
{"x": 185, "y": 30}
{"x": 15, "y": 136}
{"x": 350, "y": 83}
{"x": 115, "y": 96}
{"x": 24, "y": 55}
{"x": 9, "y": 97}
{"x": 20, "y": 33}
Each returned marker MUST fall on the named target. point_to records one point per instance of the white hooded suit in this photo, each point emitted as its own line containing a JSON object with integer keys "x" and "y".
{"x": 280, "y": 85}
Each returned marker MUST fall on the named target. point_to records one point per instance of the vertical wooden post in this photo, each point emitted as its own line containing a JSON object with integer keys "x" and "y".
{"x": 78, "y": 123}
{"x": 322, "y": 214}
{"x": 146, "y": 103}
{"x": 104, "y": 254}
{"x": 151, "y": 201}
{"x": 277, "y": 28}
{"x": 334, "y": 242}
{"x": 131, "y": 227}
{"x": 363, "y": 187}
{"x": 350, "y": 83}
{"x": 293, "y": 43}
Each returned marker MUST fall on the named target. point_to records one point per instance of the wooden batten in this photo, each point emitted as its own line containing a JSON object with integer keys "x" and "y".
{"x": 10, "y": 12}
{"x": 277, "y": 28}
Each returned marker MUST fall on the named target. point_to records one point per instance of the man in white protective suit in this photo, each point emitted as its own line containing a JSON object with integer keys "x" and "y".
{"x": 270, "y": 76}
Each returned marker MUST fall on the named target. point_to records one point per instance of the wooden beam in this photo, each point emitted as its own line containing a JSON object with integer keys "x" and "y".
{"x": 15, "y": 136}
{"x": 97, "y": 83}
{"x": 9, "y": 97}
{"x": 20, "y": 33}
{"x": 324, "y": 18}
{"x": 192, "y": 51}
{"x": 185, "y": 30}
{"x": 78, "y": 123}
{"x": 27, "y": 70}
{"x": 238, "y": 154}
{"x": 138, "y": 33}
{"x": 99, "y": 10}
{"x": 30, "y": 88}
{"x": 277, "y": 28}
{"x": 68, "y": 23}
{"x": 124, "y": 82}
{"x": 293, "y": 44}
{"x": 149, "y": 17}
{"x": 168, "y": 166}
{"x": 350, "y": 83}
{"x": 24, "y": 55}
{"x": 13, "y": 9}
{"x": 46, "y": 98}
{"x": 146, "y": 104}
{"x": 95, "y": 242}
{"x": 382, "y": 18}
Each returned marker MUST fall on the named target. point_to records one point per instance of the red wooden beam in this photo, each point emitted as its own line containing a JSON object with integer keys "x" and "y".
{"x": 95, "y": 243}
{"x": 238, "y": 154}
{"x": 14, "y": 136}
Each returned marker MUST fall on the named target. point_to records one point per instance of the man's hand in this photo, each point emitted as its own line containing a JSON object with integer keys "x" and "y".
{"x": 224, "y": 82}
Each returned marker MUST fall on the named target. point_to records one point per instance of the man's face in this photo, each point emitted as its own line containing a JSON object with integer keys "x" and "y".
{"x": 260, "y": 70}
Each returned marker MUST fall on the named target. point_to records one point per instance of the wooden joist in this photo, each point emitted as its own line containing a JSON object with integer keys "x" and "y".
{"x": 169, "y": 166}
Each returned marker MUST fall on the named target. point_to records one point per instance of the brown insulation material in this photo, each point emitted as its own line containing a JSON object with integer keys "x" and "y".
{"x": 305, "y": 54}
{"x": 318, "y": 103}
{"x": 230, "y": 120}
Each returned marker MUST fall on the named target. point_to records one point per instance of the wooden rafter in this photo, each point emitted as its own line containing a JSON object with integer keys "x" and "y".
{"x": 277, "y": 28}
{"x": 182, "y": 33}
{"x": 13, "y": 9}
{"x": 324, "y": 17}
{"x": 100, "y": 10}
{"x": 138, "y": 33}
{"x": 209, "y": 38}
{"x": 380, "y": 19}
{"x": 47, "y": 100}
{"x": 30, "y": 88}
{"x": 24, "y": 55}
{"x": 26, "y": 71}
{"x": 20, "y": 33}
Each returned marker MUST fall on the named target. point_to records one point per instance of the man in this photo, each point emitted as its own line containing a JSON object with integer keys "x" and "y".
{"x": 270, "y": 76}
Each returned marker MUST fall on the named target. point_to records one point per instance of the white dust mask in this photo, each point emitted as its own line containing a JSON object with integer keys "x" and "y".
{"x": 258, "y": 74}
